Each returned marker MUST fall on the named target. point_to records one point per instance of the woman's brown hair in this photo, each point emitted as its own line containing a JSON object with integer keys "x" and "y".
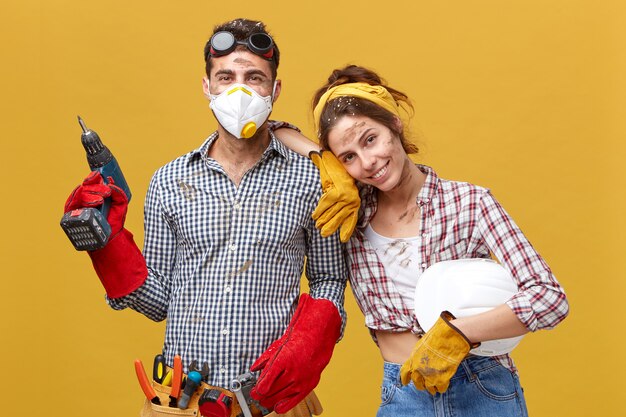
{"x": 336, "y": 108}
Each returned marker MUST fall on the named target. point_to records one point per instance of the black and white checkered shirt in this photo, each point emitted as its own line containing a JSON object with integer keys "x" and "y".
{"x": 225, "y": 261}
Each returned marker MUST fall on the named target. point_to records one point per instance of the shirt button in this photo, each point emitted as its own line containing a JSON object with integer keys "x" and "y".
{"x": 222, "y": 370}
{"x": 424, "y": 235}
{"x": 237, "y": 206}
{"x": 426, "y": 201}
{"x": 225, "y": 332}
{"x": 227, "y": 289}
{"x": 424, "y": 265}
{"x": 233, "y": 247}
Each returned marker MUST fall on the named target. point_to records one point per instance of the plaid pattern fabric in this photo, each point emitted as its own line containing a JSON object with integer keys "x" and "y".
{"x": 225, "y": 261}
{"x": 458, "y": 220}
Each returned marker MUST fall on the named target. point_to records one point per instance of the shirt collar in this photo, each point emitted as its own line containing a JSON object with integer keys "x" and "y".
{"x": 424, "y": 197}
{"x": 274, "y": 146}
{"x": 429, "y": 189}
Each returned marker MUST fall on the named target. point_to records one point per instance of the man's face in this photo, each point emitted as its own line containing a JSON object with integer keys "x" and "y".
{"x": 241, "y": 67}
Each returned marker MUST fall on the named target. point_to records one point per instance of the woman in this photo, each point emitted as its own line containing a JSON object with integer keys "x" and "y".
{"x": 404, "y": 205}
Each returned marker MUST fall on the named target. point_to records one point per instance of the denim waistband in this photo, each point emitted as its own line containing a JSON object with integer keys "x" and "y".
{"x": 467, "y": 369}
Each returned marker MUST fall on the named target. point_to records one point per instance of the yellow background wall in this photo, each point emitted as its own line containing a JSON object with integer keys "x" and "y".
{"x": 525, "y": 97}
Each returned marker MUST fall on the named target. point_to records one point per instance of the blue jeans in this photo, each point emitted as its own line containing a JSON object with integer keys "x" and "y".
{"x": 481, "y": 387}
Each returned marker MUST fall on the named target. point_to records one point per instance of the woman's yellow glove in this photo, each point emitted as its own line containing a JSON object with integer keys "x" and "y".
{"x": 338, "y": 207}
{"x": 436, "y": 356}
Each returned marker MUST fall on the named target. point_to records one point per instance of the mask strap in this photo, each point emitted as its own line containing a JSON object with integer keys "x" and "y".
{"x": 274, "y": 90}
{"x": 207, "y": 94}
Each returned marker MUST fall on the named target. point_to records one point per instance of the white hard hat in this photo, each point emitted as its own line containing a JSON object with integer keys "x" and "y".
{"x": 465, "y": 287}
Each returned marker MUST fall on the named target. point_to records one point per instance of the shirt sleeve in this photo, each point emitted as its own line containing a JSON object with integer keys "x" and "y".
{"x": 541, "y": 302}
{"x": 326, "y": 269}
{"x": 152, "y": 298}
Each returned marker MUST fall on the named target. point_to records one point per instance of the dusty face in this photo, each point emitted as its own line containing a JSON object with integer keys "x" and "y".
{"x": 370, "y": 151}
{"x": 241, "y": 90}
{"x": 241, "y": 67}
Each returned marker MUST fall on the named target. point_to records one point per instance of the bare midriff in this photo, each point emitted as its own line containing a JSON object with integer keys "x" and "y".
{"x": 396, "y": 347}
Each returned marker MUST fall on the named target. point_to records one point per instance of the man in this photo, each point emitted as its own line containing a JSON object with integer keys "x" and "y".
{"x": 227, "y": 228}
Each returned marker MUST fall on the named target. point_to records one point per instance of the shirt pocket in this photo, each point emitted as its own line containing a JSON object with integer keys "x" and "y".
{"x": 388, "y": 390}
{"x": 278, "y": 218}
{"x": 496, "y": 382}
{"x": 447, "y": 252}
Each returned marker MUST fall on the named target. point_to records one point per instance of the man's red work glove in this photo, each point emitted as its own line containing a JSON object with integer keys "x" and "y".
{"x": 292, "y": 365}
{"x": 120, "y": 264}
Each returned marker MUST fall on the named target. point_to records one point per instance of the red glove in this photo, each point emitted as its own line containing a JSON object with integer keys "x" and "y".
{"x": 120, "y": 264}
{"x": 292, "y": 365}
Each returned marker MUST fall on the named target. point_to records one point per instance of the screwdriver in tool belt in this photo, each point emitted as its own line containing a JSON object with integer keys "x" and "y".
{"x": 159, "y": 368}
{"x": 146, "y": 387}
{"x": 167, "y": 381}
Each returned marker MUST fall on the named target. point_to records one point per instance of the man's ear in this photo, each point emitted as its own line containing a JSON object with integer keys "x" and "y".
{"x": 205, "y": 87}
{"x": 277, "y": 88}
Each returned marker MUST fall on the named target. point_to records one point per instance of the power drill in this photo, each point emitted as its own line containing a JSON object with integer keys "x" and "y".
{"x": 88, "y": 228}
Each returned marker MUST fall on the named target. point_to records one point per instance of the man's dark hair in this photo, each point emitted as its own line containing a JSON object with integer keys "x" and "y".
{"x": 241, "y": 29}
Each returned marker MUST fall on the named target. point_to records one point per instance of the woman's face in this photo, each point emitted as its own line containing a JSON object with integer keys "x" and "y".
{"x": 371, "y": 152}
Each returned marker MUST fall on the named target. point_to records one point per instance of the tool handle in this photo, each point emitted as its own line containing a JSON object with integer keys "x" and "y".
{"x": 159, "y": 368}
{"x": 177, "y": 378}
{"x": 193, "y": 382}
{"x": 146, "y": 387}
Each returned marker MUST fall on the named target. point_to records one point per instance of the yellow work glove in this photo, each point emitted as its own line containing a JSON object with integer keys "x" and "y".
{"x": 338, "y": 207}
{"x": 436, "y": 356}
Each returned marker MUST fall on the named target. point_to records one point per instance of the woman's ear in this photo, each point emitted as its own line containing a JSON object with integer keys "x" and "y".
{"x": 398, "y": 124}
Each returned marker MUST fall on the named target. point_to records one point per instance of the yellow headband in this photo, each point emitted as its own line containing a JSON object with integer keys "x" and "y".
{"x": 377, "y": 94}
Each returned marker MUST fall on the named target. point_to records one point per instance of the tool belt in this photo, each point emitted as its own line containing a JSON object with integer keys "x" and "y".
{"x": 306, "y": 408}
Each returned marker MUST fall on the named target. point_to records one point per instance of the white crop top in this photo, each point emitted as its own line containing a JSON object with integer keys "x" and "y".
{"x": 401, "y": 259}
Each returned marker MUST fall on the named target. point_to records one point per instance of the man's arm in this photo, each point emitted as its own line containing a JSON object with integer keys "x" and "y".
{"x": 292, "y": 366}
{"x": 152, "y": 298}
{"x": 326, "y": 270}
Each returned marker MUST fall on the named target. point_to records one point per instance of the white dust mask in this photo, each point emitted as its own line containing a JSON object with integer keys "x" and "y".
{"x": 240, "y": 110}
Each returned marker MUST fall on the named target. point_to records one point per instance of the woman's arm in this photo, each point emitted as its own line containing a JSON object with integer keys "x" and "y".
{"x": 338, "y": 207}
{"x": 540, "y": 303}
{"x": 296, "y": 141}
{"x": 497, "y": 323}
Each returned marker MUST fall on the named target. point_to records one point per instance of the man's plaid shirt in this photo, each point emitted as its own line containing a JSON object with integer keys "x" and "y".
{"x": 458, "y": 220}
{"x": 225, "y": 261}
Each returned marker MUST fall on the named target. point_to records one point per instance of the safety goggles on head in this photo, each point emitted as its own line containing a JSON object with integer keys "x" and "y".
{"x": 223, "y": 43}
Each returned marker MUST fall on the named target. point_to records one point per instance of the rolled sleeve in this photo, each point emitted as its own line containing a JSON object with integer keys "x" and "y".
{"x": 541, "y": 302}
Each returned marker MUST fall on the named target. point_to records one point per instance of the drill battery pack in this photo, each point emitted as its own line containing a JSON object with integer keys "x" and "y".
{"x": 86, "y": 228}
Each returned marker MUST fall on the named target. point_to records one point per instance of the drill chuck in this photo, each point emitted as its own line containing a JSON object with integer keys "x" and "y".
{"x": 98, "y": 155}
